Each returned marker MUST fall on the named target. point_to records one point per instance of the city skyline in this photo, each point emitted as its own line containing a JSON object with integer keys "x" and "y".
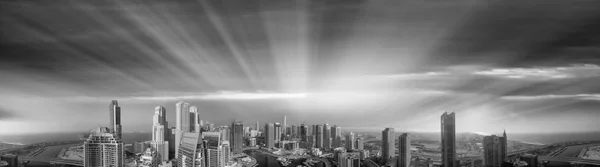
{"x": 355, "y": 64}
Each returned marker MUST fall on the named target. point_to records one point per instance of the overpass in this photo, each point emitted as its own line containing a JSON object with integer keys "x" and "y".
{"x": 575, "y": 160}
{"x": 52, "y": 160}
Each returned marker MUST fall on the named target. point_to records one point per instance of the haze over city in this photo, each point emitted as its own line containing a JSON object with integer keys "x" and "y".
{"x": 363, "y": 65}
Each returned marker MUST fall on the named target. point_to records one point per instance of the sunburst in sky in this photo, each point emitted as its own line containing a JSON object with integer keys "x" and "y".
{"x": 523, "y": 66}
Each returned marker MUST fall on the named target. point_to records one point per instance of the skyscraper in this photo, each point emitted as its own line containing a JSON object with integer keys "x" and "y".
{"x": 494, "y": 150}
{"x": 214, "y": 149}
{"x": 225, "y": 133}
{"x": 303, "y": 133}
{"x": 350, "y": 141}
{"x": 404, "y": 150}
{"x": 360, "y": 144}
{"x": 319, "y": 136}
{"x": 269, "y": 135}
{"x": 195, "y": 120}
{"x": 326, "y": 136}
{"x": 257, "y": 126}
{"x": 336, "y": 133}
{"x": 278, "y": 132}
{"x": 237, "y": 133}
{"x": 448, "y": 140}
{"x": 191, "y": 151}
{"x": 160, "y": 137}
{"x": 388, "y": 145}
{"x": 284, "y": 132}
{"x": 115, "y": 119}
{"x": 183, "y": 122}
{"x": 103, "y": 148}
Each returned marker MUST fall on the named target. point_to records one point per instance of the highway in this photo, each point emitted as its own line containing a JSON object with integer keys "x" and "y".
{"x": 51, "y": 160}
{"x": 569, "y": 159}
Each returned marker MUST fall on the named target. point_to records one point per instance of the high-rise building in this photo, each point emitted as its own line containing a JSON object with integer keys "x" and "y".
{"x": 278, "y": 132}
{"x": 326, "y": 136}
{"x": 237, "y": 133}
{"x": 348, "y": 159}
{"x": 160, "y": 135}
{"x": 404, "y": 150}
{"x": 214, "y": 149}
{"x": 269, "y": 135}
{"x": 360, "y": 143}
{"x": 257, "y": 126}
{"x": 172, "y": 135}
{"x": 319, "y": 136}
{"x": 336, "y": 136}
{"x": 350, "y": 141}
{"x": 225, "y": 133}
{"x": 294, "y": 132}
{"x": 226, "y": 153}
{"x": 182, "y": 125}
{"x": 448, "y": 140}
{"x": 388, "y": 146}
{"x": 149, "y": 158}
{"x": 11, "y": 160}
{"x": 103, "y": 148}
{"x": 284, "y": 125}
{"x": 195, "y": 124}
{"x": 191, "y": 151}
{"x": 303, "y": 133}
{"x": 494, "y": 150}
{"x": 115, "y": 118}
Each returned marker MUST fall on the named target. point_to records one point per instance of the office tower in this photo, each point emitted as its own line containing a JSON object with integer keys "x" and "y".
{"x": 237, "y": 134}
{"x": 278, "y": 132}
{"x": 326, "y": 136}
{"x": 294, "y": 133}
{"x": 494, "y": 150}
{"x": 195, "y": 125}
{"x": 269, "y": 135}
{"x": 360, "y": 143}
{"x": 172, "y": 133}
{"x": 225, "y": 133}
{"x": 404, "y": 150}
{"x": 226, "y": 153}
{"x": 284, "y": 125}
{"x": 115, "y": 119}
{"x": 319, "y": 136}
{"x": 257, "y": 126}
{"x": 191, "y": 151}
{"x": 336, "y": 133}
{"x": 350, "y": 141}
{"x": 12, "y": 160}
{"x": 348, "y": 159}
{"x": 388, "y": 146}
{"x": 214, "y": 149}
{"x": 183, "y": 122}
{"x": 103, "y": 148}
{"x": 303, "y": 133}
{"x": 448, "y": 140}
{"x": 160, "y": 136}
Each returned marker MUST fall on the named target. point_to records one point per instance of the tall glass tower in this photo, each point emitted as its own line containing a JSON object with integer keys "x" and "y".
{"x": 115, "y": 119}
{"x": 448, "y": 140}
{"x": 103, "y": 148}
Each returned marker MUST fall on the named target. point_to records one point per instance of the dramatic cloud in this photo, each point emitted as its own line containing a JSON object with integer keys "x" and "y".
{"x": 574, "y": 71}
{"x": 544, "y": 97}
{"x": 6, "y": 114}
{"x": 225, "y": 95}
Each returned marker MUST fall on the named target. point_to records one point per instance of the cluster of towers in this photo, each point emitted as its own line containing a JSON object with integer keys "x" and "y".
{"x": 104, "y": 146}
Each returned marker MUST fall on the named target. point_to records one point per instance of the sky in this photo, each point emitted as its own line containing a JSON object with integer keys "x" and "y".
{"x": 524, "y": 66}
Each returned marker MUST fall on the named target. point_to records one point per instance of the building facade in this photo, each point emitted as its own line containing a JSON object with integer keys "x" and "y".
{"x": 388, "y": 144}
{"x": 348, "y": 159}
{"x": 448, "y": 140}
{"x": 237, "y": 135}
{"x": 494, "y": 150}
{"x": 350, "y": 141}
{"x": 404, "y": 150}
{"x": 115, "y": 118}
{"x": 182, "y": 125}
{"x": 269, "y": 135}
{"x": 103, "y": 149}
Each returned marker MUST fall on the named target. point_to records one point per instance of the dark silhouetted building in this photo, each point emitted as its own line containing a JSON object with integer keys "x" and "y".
{"x": 448, "y": 140}
{"x": 237, "y": 135}
{"x": 326, "y": 136}
{"x": 303, "y": 133}
{"x": 494, "y": 150}
{"x": 319, "y": 136}
{"x": 404, "y": 150}
{"x": 269, "y": 134}
{"x": 336, "y": 136}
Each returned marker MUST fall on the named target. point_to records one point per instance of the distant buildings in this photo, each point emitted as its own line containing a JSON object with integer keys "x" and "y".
{"x": 115, "y": 119}
{"x": 103, "y": 148}
{"x": 149, "y": 159}
{"x": 360, "y": 144}
{"x": 336, "y": 138}
{"x": 303, "y": 133}
{"x": 278, "y": 132}
{"x": 237, "y": 133}
{"x": 284, "y": 128}
{"x": 448, "y": 140}
{"x": 494, "y": 150}
{"x": 319, "y": 136}
{"x": 269, "y": 134}
{"x": 348, "y": 159}
{"x": 326, "y": 136}
{"x": 350, "y": 141}
{"x": 388, "y": 144}
{"x": 404, "y": 150}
